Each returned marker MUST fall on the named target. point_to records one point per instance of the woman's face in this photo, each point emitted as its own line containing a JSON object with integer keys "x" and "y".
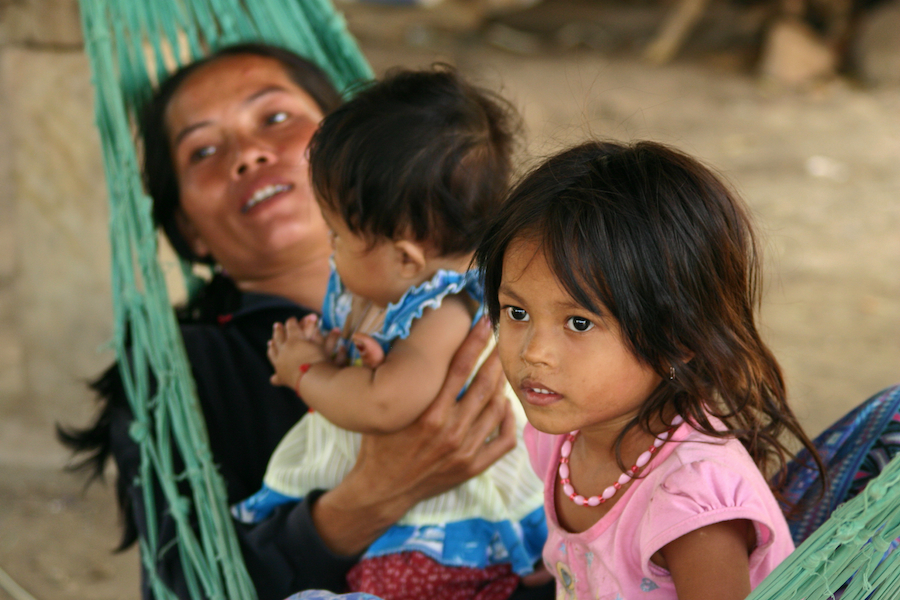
{"x": 238, "y": 129}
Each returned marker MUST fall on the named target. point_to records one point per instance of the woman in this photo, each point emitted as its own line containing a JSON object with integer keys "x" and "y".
{"x": 225, "y": 143}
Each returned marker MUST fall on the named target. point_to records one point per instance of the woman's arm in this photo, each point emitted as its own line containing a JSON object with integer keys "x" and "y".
{"x": 445, "y": 446}
{"x": 711, "y": 563}
{"x": 314, "y": 543}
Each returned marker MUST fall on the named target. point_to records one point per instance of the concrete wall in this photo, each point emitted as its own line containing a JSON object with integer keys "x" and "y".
{"x": 55, "y": 311}
{"x": 833, "y": 310}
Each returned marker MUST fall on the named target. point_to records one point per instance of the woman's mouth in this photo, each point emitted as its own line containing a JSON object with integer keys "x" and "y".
{"x": 264, "y": 193}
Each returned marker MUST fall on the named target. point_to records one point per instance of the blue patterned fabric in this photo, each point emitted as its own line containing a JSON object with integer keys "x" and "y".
{"x": 326, "y": 595}
{"x": 846, "y": 450}
{"x": 475, "y": 543}
{"x": 399, "y": 317}
{"x": 260, "y": 505}
{"x": 398, "y": 320}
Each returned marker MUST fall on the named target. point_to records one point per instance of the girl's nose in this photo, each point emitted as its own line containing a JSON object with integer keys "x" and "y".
{"x": 537, "y": 349}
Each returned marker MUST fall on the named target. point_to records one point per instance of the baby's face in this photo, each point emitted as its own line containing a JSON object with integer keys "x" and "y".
{"x": 367, "y": 270}
{"x": 570, "y": 367}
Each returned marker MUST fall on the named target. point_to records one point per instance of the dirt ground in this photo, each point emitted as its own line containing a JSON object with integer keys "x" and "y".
{"x": 819, "y": 168}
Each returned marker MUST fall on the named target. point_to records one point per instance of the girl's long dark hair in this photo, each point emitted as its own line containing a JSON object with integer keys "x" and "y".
{"x": 649, "y": 235}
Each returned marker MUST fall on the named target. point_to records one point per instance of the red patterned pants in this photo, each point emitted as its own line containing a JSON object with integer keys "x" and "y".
{"x": 414, "y": 576}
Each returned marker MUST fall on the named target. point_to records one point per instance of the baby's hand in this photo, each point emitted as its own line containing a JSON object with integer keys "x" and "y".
{"x": 335, "y": 349}
{"x": 370, "y": 351}
{"x": 309, "y": 328}
{"x": 289, "y": 348}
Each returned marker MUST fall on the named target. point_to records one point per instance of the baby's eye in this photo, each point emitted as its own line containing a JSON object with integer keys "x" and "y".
{"x": 517, "y": 314}
{"x": 201, "y": 153}
{"x": 579, "y": 324}
{"x": 277, "y": 117}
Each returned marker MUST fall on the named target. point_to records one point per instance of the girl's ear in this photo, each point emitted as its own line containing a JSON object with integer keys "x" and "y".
{"x": 191, "y": 235}
{"x": 410, "y": 258}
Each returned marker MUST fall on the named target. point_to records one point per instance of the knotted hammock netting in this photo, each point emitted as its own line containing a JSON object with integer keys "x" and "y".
{"x": 131, "y": 45}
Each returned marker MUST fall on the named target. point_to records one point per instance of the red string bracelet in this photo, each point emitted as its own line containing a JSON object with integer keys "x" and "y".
{"x": 303, "y": 369}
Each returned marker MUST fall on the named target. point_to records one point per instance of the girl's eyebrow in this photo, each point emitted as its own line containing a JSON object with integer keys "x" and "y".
{"x": 569, "y": 304}
{"x": 572, "y": 305}
{"x": 506, "y": 291}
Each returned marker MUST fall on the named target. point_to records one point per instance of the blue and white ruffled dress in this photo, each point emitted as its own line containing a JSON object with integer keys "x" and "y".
{"x": 494, "y": 518}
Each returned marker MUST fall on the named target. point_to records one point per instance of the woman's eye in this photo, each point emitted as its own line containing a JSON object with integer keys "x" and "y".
{"x": 517, "y": 314}
{"x": 201, "y": 153}
{"x": 278, "y": 117}
{"x": 579, "y": 324}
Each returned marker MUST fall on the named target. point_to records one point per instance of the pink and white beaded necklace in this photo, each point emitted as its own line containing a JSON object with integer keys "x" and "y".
{"x": 624, "y": 478}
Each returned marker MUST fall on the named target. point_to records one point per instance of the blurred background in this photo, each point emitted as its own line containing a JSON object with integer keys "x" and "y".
{"x": 795, "y": 102}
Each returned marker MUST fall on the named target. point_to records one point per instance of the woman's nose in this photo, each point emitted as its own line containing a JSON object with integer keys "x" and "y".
{"x": 250, "y": 156}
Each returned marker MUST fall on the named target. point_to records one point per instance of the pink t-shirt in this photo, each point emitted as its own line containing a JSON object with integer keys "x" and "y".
{"x": 693, "y": 481}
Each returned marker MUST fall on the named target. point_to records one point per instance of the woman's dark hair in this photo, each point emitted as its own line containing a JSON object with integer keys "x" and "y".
{"x": 217, "y": 297}
{"x": 421, "y": 154}
{"x": 653, "y": 238}
{"x": 159, "y": 169}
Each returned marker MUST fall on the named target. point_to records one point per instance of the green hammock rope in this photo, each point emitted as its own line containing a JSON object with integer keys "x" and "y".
{"x": 126, "y": 40}
{"x": 852, "y": 543}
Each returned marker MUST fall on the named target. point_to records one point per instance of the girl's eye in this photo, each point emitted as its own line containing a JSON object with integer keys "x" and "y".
{"x": 278, "y": 117}
{"x": 517, "y": 314}
{"x": 201, "y": 153}
{"x": 579, "y": 324}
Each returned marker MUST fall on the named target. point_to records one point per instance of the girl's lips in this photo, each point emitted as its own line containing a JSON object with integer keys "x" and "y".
{"x": 536, "y": 394}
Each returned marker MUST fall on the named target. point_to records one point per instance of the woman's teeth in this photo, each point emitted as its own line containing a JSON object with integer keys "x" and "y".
{"x": 264, "y": 194}
{"x": 541, "y": 391}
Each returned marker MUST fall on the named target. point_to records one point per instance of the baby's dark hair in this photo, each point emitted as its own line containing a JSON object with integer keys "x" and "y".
{"x": 419, "y": 154}
{"x": 649, "y": 236}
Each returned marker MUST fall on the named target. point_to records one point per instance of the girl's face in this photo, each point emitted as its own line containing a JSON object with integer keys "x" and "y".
{"x": 238, "y": 129}
{"x": 570, "y": 368}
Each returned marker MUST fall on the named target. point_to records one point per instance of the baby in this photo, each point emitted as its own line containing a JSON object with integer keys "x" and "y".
{"x": 407, "y": 175}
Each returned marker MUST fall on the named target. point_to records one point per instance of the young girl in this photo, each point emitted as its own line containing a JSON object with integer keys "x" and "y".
{"x": 622, "y": 280}
{"x": 407, "y": 175}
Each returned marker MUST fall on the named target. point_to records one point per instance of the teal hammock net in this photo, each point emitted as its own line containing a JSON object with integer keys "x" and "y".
{"x": 131, "y": 44}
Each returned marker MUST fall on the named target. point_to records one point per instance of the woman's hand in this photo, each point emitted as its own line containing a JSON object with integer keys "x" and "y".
{"x": 447, "y": 445}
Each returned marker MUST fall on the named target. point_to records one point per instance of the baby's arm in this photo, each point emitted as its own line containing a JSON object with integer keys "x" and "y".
{"x": 390, "y": 396}
{"x": 711, "y": 563}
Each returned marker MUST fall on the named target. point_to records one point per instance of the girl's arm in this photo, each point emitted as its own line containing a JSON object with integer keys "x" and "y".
{"x": 711, "y": 563}
{"x": 390, "y": 396}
